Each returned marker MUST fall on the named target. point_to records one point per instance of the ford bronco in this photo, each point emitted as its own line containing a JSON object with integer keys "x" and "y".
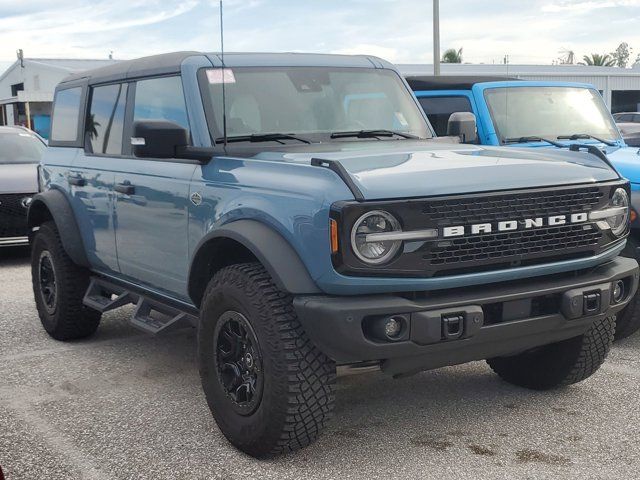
{"x": 539, "y": 114}
{"x": 297, "y": 210}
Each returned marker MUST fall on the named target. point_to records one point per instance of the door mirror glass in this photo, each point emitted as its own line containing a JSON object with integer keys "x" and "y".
{"x": 158, "y": 139}
{"x": 463, "y": 125}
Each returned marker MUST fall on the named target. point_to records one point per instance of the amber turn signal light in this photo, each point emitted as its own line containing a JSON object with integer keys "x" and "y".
{"x": 334, "y": 235}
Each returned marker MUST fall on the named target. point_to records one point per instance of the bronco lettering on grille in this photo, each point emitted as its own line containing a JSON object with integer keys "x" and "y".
{"x": 511, "y": 225}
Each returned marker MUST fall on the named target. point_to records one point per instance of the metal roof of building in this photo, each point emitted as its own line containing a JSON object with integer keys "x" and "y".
{"x": 516, "y": 70}
{"x": 63, "y": 64}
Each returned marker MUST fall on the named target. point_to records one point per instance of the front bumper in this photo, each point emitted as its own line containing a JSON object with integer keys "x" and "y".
{"x": 497, "y": 319}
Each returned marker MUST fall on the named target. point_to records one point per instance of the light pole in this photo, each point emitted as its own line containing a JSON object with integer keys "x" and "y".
{"x": 436, "y": 37}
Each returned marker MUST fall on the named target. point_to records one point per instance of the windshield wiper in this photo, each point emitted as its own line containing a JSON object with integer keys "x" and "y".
{"x": 533, "y": 139}
{"x": 584, "y": 136}
{"x": 263, "y": 137}
{"x": 372, "y": 134}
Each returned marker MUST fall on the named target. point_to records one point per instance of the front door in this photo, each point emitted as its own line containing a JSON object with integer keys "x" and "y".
{"x": 152, "y": 197}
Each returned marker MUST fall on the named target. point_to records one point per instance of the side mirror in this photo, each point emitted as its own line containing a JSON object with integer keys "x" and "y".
{"x": 463, "y": 125}
{"x": 158, "y": 138}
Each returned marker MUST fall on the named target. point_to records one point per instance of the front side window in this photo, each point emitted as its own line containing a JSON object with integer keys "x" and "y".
{"x": 310, "y": 101}
{"x": 106, "y": 119}
{"x": 161, "y": 99}
{"x": 21, "y": 147}
{"x": 439, "y": 109}
{"x": 549, "y": 112}
{"x": 66, "y": 114}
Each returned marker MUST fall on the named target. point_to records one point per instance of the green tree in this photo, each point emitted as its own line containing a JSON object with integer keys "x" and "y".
{"x": 452, "y": 56}
{"x": 621, "y": 55}
{"x": 597, "y": 60}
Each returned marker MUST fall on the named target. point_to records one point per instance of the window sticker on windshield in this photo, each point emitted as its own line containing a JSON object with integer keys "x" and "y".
{"x": 401, "y": 119}
{"x": 216, "y": 75}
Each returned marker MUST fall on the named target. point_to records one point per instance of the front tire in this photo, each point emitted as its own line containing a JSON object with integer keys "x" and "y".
{"x": 628, "y": 319}
{"x": 59, "y": 286}
{"x": 558, "y": 364}
{"x": 269, "y": 388}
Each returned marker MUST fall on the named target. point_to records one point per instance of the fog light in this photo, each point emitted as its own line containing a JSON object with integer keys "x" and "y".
{"x": 393, "y": 327}
{"x": 618, "y": 291}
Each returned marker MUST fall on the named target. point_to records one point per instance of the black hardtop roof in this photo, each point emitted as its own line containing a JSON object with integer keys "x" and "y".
{"x": 168, "y": 63}
{"x": 450, "y": 82}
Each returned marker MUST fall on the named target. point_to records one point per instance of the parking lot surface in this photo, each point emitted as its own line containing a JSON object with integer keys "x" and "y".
{"x": 124, "y": 405}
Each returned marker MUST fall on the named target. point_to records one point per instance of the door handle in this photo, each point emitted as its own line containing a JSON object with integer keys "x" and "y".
{"x": 76, "y": 180}
{"x": 125, "y": 188}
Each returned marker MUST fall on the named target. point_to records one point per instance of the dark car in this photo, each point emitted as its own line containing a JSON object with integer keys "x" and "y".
{"x": 20, "y": 153}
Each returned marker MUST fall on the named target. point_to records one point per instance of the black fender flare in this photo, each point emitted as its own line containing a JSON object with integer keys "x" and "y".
{"x": 54, "y": 204}
{"x": 270, "y": 248}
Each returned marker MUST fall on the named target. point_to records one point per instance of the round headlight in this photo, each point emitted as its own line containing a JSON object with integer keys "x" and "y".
{"x": 372, "y": 251}
{"x": 618, "y": 223}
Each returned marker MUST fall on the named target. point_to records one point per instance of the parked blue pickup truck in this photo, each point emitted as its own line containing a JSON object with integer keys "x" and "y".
{"x": 537, "y": 114}
{"x": 298, "y": 210}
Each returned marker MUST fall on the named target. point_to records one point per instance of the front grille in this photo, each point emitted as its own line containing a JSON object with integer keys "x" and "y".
{"x": 494, "y": 250}
{"x": 478, "y": 209}
{"x": 505, "y": 249}
{"x": 13, "y": 216}
{"x": 503, "y": 246}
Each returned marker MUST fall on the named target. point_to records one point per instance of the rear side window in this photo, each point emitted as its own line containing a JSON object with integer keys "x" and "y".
{"x": 161, "y": 99}
{"x": 105, "y": 123}
{"x": 66, "y": 114}
{"x": 439, "y": 109}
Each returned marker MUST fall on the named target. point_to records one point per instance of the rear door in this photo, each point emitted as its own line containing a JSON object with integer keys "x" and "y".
{"x": 91, "y": 176}
{"x": 152, "y": 195}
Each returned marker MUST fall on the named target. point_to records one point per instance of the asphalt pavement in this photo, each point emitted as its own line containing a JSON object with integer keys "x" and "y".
{"x": 125, "y": 405}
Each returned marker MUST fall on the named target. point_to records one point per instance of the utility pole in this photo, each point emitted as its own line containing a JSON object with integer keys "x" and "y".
{"x": 436, "y": 37}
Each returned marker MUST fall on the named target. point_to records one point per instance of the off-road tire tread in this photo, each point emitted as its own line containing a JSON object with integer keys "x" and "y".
{"x": 74, "y": 320}
{"x": 308, "y": 392}
{"x": 628, "y": 319}
{"x": 559, "y": 364}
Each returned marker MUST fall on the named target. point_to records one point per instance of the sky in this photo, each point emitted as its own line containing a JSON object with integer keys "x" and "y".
{"x": 529, "y": 31}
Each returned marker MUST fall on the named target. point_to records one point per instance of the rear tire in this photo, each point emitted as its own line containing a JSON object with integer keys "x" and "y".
{"x": 628, "y": 319}
{"x": 59, "y": 286}
{"x": 279, "y": 397}
{"x": 558, "y": 364}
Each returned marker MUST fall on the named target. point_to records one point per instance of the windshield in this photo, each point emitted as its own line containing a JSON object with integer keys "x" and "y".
{"x": 311, "y": 102}
{"x": 20, "y": 148}
{"x": 549, "y": 112}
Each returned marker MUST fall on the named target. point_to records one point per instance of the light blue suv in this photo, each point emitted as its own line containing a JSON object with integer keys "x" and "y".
{"x": 297, "y": 209}
{"x": 539, "y": 114}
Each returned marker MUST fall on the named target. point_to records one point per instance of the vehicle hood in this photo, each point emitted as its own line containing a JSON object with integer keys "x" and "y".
{"x": 627, "y": 162}
{"x": 18, "y": 178}
{"x": 400, "y": 169}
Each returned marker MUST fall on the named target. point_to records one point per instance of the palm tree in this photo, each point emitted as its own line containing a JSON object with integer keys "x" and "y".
{"x": 597, "y": 60}
{"x": 452, "y": 56}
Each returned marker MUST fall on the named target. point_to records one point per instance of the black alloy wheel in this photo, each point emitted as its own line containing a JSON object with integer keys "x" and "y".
{"x": 47, "y": 281}
{"x": 239, "y": 362}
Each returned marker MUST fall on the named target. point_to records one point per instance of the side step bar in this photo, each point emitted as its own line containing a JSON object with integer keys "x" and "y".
{"x": 149, "y": 315}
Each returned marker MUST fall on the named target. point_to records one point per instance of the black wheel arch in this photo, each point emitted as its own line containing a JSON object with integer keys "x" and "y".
{"x": 54, "y": 205}
{"x": 246, "y": 241}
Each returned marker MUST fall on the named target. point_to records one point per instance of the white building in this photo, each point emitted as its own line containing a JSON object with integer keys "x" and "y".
{"x": 27, "y": 86}
{"x": 620, "y": 87}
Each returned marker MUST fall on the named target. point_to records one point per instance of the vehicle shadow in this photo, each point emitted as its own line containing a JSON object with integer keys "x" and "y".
{"x": 14, "y": 256}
